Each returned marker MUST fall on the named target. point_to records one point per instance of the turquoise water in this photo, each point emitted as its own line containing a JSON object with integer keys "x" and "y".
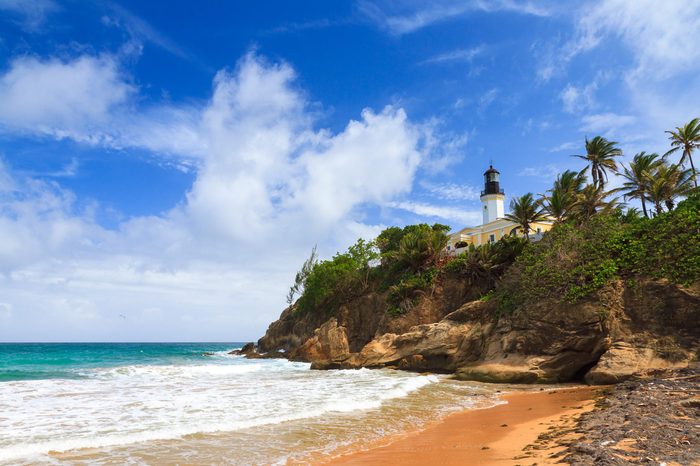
{"x": 194, "y": 403}
{"x": 36, "y": 361}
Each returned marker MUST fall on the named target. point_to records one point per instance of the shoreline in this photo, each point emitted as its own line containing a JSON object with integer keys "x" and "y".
{"x": 516, "y": 432}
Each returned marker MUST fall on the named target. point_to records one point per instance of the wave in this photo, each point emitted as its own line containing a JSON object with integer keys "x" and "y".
{"x": 140, "y": 403}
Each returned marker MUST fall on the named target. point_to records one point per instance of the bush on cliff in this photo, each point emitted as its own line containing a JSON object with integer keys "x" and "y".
{"x": 330, "y": 283}
{"x": 483, "y": 265}
{"x": 401, "y": 260}
{"x": 574, "y": 260}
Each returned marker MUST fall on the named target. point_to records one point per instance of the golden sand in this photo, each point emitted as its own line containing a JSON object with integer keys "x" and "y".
{"x": 503, "y": 435}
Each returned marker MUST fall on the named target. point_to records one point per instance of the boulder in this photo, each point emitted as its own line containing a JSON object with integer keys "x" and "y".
{"x": 329, "y": 343}
{"x": 623, "y": 361}
{"x": 248, "y": 348}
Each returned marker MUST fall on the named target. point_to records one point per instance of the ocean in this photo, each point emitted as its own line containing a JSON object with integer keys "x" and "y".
{"x": 169, "y": 403}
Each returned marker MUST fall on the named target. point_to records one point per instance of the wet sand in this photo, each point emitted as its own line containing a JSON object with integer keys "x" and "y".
{"x": 503, "y": 435}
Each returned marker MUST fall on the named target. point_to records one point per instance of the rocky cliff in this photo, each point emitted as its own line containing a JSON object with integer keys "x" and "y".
{"x": 627, "y": 327}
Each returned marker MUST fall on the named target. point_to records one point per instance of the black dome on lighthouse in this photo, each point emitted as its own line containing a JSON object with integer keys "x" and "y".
{"x": 492, "y": 182}
{"x": 491, "y": 170}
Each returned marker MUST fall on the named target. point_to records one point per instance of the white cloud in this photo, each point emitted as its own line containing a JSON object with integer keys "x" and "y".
{"x": 293, "y": 27}
{"x": 452, "y": 214}
{"x": 268, "y": 187}
{"x": 140, "y": 30}
{"x": 452, "y": 191}
{"x": 487, "y": 99}
{"x": 548, "y": 172}
{"x": 408, "y": 17}
{"x": 459, "y": 55}
{"x": 90, "y": 100}
{"x": 606, "y": 123}
{"x": 658, "y": 37}
{"x": 5, "y": 311}
{"x": 56, "y": 97}
{"x": 30, "y": 13}
{"x": 565, "y": 146}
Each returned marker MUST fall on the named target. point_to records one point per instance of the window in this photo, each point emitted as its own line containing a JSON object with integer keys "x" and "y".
{"x": 539, "y": 230}
{"x": 492, "y": 238}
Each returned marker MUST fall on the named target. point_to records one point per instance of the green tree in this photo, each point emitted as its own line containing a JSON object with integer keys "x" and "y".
{"x": 421, "y": 247}
{"x": 592, "y": 200}
{"x": 668, "y": 182}
{"x": 600, "y": 155}
{"x": 483, "y": 265}
{"x": 302, "y": 275}
{"x": 524, "y": 211}
{"x": 365, "y": 255}
{"x": 687, "y": 139}
{"x": 560, "y": 200}
{"x": 638, "y": 177}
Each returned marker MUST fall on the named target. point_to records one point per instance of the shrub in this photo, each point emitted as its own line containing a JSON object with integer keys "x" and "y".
{"x": 572, "y": 262}
{"x": 404, "y": 294}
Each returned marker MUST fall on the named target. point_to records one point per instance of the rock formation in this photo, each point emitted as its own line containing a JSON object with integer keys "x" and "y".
{"x": 626, "y": 328}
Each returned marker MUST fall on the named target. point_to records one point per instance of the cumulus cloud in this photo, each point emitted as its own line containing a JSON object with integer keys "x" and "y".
{"x": 64, "y": 99}
{"x": 268, "y": 186}
{"x": 89, "y": 99}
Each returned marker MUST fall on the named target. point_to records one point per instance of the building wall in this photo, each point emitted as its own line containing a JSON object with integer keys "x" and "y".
{"x": 500, "y": 228}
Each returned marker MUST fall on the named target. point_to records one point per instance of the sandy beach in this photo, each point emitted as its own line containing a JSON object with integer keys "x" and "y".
{"x": 503, "y": 435}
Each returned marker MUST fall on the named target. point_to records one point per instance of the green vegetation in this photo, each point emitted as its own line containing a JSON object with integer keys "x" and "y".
{"x": 600, "y": 155}
{"x": 524, "y": 211}
{"x": 402, "y": 261}
{"x": 484, "y": 265}
{"x": 686, "y": 138}
{"x": 574, "y": 260}
{"x": 594, "y": 241}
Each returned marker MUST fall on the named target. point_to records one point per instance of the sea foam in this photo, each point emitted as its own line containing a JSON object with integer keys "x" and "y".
{"x": 141, "y": 403}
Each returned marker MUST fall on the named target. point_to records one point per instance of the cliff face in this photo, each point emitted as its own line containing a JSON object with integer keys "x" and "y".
{"x": 624, "y": 329}
{"x": 363, "y": 319}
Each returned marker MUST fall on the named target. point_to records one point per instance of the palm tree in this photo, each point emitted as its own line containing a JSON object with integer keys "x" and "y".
{"x": 667, "y": 183}
{"x": 686, "y": 137}
{"x": 600, "y": 155}
{"x": 570, "y": 181}
{"x": 557, "y": 205}
{"x": 421, "y": 248}
{"x": 638, "y": 176}
{"x": 524, "y": 211}
{"x": 591, "y": 201}
{"x": 562, "y": 196}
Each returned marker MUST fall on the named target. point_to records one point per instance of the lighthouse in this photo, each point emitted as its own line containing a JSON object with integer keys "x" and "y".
{"x": 492, "y": 197}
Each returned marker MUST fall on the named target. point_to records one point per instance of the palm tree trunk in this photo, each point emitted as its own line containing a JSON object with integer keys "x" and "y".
{"x": 594, "y": 174}
{"x": 692, "y": 167}
{"x": 644, "y": 206}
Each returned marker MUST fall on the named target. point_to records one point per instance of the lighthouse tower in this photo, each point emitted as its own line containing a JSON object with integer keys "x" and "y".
{"x": 492, "y": 197}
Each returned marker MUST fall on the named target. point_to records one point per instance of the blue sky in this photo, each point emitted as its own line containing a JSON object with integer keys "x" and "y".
{"x": 166, "y": 166}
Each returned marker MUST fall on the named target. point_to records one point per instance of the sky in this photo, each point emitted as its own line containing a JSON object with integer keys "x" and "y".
{"x": 166, "y": 167}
